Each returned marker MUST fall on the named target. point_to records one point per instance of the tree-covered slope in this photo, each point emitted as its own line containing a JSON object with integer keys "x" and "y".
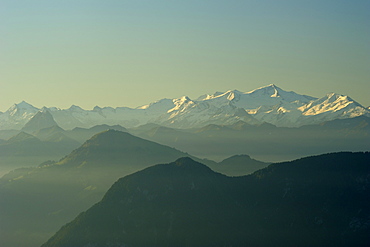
{"x": 315, "y": 201}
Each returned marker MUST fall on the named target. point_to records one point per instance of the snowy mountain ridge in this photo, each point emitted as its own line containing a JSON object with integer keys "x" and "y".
{"x": 269, "y": 104}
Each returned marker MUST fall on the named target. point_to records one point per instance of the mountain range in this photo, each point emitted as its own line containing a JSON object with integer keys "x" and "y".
{"x": 264, "y": 141}
{"x": 269, "y": 104}
{"x": 314, "y": 201}
{"x": 36, "y": 201}
{"x": 92, "y": 149}
{"x": 40, "y": 140}
{"x": 216, "y": 142}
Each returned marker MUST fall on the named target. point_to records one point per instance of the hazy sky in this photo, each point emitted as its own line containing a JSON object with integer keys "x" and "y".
{"x": 129, "y": 53}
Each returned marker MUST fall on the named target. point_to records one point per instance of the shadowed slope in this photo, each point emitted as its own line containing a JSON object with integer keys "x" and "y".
{"x": 315, "y": 201}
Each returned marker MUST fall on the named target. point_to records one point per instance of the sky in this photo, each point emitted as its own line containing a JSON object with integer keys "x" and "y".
{"x": 130, "y": 53}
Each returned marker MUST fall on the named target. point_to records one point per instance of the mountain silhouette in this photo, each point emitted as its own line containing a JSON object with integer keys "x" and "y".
{"x": 315, "y": 201}
{"x": 265, "y": 141}
{"x": 238, "y": 165}
{"x": 36, "y": 201}
{"x": 41, "y": 120}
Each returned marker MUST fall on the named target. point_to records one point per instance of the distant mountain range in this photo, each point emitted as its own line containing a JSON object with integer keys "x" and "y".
{"x": 269, "y": 104}
{"x": 264, "y": 141}
{"x": 216, "y": 142}
{"x": 315, "y": 201}
{"x": 40, "y": 140}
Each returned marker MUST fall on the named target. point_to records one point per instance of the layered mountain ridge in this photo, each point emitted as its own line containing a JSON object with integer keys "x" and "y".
{"x": 36, "y": 201}
{"x": 269, "y": 104}
{"x": 265, "y": 141}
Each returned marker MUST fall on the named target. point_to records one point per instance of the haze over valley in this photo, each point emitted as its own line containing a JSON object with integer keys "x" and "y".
{"x": 184, "y": 123}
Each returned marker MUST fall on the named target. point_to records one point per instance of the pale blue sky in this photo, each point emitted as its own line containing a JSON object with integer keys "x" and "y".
{"x": 129, "y": 53}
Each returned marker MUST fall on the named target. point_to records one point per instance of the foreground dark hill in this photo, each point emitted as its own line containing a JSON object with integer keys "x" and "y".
{"x": 315, "y": 201}
{"x": 35, "y": 202}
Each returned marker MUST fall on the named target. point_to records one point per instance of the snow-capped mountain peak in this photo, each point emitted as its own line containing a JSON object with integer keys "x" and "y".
{"x": 269, "y": 104}
{"x": 333, "y": 103}
{"x": 23, "y": 107}
{"x": 181, "y": 104}
{"x": 17, "y": 115}
{"x": 274, "y": 91}
{"x": 231, "y": 95}
{"x": 270, "y": 90}
{"x": 159, "y": 104}
{"x": 182, "y": 100}
{"x": 217, "y": 95}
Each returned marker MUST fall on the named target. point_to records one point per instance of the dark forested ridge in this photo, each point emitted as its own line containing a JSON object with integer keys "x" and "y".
{"x": 315, "y": 201}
